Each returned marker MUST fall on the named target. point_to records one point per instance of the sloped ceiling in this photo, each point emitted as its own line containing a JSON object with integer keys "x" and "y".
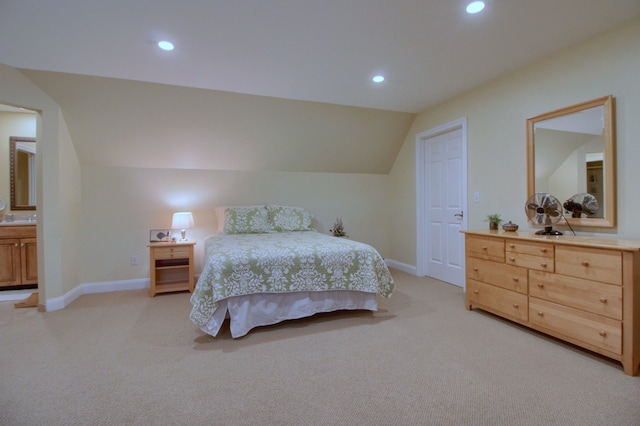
{"x": 274, "y": 85}
{"x": 323, "y": 51}
{"x": 124, "y": 123}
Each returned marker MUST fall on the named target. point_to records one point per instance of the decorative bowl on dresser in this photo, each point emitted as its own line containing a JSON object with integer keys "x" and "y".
{"x": 584, "y": 290}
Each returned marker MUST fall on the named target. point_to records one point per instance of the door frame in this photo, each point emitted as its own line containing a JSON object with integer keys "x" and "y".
{"x": 422, "y": 231}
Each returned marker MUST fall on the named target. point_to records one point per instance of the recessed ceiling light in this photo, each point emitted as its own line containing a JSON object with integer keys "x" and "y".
{"x": 378, "y": 79}
{"x": 165, "y": 45}
{"x": 475, "y": 7}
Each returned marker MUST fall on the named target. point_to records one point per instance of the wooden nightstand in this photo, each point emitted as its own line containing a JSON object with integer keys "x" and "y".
{"x": 171, "y": 267}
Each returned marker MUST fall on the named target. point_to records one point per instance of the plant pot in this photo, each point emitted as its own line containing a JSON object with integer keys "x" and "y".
{"x": 493, "y": 226}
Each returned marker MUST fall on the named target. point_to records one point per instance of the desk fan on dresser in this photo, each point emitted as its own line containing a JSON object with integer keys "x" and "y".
{"x": 544, "y": 209}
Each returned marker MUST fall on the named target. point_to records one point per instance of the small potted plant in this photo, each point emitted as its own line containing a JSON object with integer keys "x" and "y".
{"x": 494, "y": 221}
{"x": 338, "y": 229}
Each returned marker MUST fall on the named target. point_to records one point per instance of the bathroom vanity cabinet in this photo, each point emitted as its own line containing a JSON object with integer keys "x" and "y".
{"x": 18, "y": 255}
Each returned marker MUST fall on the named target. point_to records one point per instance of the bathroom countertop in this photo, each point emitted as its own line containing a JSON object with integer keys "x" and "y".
{"x": 19, "y": 223}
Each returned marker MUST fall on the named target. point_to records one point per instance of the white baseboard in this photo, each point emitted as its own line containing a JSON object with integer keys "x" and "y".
{"x": 404, "y": 267}
{"x": 57, "y": 303}
{"x": 62, "y": 302}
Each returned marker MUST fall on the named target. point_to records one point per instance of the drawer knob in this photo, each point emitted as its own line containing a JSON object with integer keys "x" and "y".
{"x": 603, "y": 333}
{"x": 544, "y": 250}
{"x": 544, "y": 265}
{"x": 511, "y": 245}
{"x": 484, "y": 248}
{"x": 603, "y": 299}
{"x": 516, "y": 279}
{"x": 540, "y": 314}
{"x": 540, "y": 285}
{"x": 515, "y": 305}
{"x": 475, "y": 268}
{"x": 513, "y": 259}
{"x": 475, "y": 291}
{"x": 585, "y": 263}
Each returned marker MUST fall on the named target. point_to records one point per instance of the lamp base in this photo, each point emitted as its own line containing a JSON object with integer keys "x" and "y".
{"x": 183, "y": 234}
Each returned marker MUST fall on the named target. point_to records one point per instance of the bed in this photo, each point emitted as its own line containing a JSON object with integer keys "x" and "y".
{"x": 266, "y": 265}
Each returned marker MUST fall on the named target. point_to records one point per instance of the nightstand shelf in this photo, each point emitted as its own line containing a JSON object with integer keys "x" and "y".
{"x": 171, "y": 267}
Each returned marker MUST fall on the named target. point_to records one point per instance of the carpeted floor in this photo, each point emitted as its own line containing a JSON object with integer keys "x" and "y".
{"x": 124, "y": 358}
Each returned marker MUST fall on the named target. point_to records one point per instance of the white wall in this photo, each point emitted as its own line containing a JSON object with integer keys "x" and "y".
{"x": 497, "y": 114}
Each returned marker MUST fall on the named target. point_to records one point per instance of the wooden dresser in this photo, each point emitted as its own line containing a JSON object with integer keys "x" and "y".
{"x": 584, "y": 290}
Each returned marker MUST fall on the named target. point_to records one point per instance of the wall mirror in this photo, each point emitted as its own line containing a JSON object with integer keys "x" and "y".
{"x": 22, "y": 170}
{"x": 572, "y": 151}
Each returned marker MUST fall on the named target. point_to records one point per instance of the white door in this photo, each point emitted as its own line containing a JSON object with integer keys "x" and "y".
{"x": 442, "y": 182}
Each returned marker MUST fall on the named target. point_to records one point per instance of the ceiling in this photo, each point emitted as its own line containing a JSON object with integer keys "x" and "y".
{"x": 323, "y": 51}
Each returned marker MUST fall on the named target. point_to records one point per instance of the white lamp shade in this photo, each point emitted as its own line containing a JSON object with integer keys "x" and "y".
{"x": 182, "y": 220}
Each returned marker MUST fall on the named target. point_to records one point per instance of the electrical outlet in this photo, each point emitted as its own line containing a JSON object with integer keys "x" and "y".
{"x": 134, "y": 260}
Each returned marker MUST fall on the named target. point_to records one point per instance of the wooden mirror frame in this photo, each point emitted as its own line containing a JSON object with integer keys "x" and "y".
{"x": 609, "y": 156}
{"x": 13, "y": 141}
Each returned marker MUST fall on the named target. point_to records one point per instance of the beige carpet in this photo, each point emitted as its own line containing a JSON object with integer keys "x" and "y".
{"x": 124, "y": 358}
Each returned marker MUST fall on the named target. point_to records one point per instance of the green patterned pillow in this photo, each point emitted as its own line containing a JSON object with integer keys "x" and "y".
{"x": 243, "y": 219}
{"x": 284, "y": 218}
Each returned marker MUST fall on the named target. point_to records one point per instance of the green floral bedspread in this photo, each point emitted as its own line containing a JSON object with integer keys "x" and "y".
{"x": 240, "y": 264}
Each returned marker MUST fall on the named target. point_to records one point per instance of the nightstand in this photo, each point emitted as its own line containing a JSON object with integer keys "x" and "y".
{"x": 171, "y": 267}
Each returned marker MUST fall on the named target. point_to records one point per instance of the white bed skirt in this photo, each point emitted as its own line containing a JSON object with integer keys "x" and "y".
{"x": 254, "y": 310}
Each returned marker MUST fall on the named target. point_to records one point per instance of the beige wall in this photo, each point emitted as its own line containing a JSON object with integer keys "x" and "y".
{"x": 120, "y": 206}
{"x": 148, "y": 150}
{"x": 58, "y": 186}
{"x": 497, "y": 113}
{"x": 97, "y": 212}
{"x": 12, "y": 124}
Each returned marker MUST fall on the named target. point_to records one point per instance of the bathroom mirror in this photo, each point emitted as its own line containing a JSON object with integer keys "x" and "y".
{"x": 572, "y": 151}
{"x": 22, "y": 170}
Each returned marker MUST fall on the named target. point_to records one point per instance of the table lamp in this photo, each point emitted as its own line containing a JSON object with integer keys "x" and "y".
{"x": 182, "y": 221}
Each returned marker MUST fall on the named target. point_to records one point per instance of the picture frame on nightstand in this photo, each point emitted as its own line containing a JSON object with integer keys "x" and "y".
{"x": 159, "y": 235}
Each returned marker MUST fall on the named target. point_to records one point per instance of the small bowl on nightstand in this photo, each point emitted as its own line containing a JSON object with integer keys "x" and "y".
{"x": 511, "y": 227}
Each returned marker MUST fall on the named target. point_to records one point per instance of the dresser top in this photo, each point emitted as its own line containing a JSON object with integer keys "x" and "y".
{"x": 595, "y": 242}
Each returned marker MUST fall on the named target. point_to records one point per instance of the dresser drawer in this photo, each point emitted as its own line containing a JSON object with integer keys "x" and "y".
{"x": 591, "y": 296}
{"x": 485, "y": 247}
{"x": 532, "y": 248}
{"x": 499, "y": 274}
{"x": 504, "y": 302}
{"x": 592, "y": 329}
{"x": 529, "y": 261}
{"x": 171, "y": 252}
{"x": 590, "y": 264}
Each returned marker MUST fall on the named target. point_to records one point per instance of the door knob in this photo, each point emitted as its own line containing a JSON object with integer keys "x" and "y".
{"x": 460, "y": 215}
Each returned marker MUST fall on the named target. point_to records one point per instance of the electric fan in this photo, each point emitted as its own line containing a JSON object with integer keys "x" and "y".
{"x": 544, "y": 209}
{"x": 582, "y": 204}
